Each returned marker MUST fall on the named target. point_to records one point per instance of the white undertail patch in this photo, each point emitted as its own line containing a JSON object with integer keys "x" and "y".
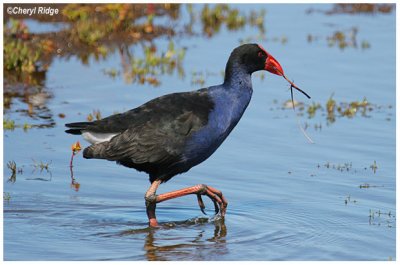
{"x": 95, "y": 138}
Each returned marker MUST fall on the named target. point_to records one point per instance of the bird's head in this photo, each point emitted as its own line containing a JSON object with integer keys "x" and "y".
{"x": 254, "y": 57}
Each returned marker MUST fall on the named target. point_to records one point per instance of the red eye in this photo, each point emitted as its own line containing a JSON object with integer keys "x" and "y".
{"x": 260, "y": 54}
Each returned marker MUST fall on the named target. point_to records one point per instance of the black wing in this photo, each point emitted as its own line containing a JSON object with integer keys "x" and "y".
{"x": 151, "y": 137}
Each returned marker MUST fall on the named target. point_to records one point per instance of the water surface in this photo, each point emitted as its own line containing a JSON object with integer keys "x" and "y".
{"x": 287, "y": 198}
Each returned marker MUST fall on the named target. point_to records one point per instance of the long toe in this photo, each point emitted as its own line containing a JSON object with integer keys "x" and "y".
{"x": 220, "y": 203}
{"x": 201, "y": 204}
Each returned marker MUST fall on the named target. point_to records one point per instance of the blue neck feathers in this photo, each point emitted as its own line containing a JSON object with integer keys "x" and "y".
{"x": 230, "y": 101}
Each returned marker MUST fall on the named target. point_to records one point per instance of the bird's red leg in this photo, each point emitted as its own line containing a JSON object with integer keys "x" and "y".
{"x": 215, "y": 195}
{"x": 152, "y": 199}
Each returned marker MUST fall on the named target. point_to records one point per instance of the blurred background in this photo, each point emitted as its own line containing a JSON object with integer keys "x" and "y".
{"x": 288, "y": 199}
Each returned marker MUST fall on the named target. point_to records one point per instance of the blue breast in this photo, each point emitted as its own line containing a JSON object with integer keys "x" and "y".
{"x": 230, "y": 102}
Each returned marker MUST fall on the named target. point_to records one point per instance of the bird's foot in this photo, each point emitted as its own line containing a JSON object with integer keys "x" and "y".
{"x": 220, "y": 203}
{"x": 153, "y": 222}
{"x": 151, "y": 198}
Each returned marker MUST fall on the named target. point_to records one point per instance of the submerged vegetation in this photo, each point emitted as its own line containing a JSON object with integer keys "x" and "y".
{"x": 349, "y": 200}
{"x": 342, "y": 39}
{"x": 362, "y": 8}
{"x": 367, "y": 186}
{"x": 8, "y": 124}
{"x": 146, "y": 69}
{"x": 357, "y": 8}
{"x": 347, "y": 166}
{"x": 374, "y": 167}
{"x": 347, "y": 38}
{"x": 93, "y": 31}
{"x": 332, "y": 110}
{"x": 13, "y": 167}
{"x": 41, "y": 166}
{"x": 22, "y": 50}
{"x": 96, "y": 114}
{"x": 213, "y": 18}
{"x": 378, "y": 217}
{"x": 6, "y": 196}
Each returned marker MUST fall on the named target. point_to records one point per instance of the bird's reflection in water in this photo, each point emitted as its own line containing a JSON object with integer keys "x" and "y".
{"x": 185, "y": 240}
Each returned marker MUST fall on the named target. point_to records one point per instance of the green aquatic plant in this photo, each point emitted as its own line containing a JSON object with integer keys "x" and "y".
{"x": 112, "y": 72}
{"x": 96, "y": 114}
{"x": 146, "y": 69}
{"x": 198, "y": 78}
{"x": 348, "y": 200}
{"x": 41, "y": 166}
{"x": 346, "y": 38}
{"x": 6, "y": 196}
{"x": 365, "y": 44}
{"x": 19, "y": 55}
{"x": 343, "y": 39}
{"x": 367, "y": 186}
{"x": 234, "y": 20}
{"x": 376, "y": 217}
{"x": 333, "y": 109}
{"x": 312, "y": 109}
{"x": 347, "y": 166}
{"x": 374, "y": 167}
{"x": 8, "y": 124}
{"x": 257, "y": 19}
{"x": 351, "y": 109}
{"x": 360, "y": 8}
{"x": 330, "y": 109}
{"x": 21, "y": 49}
{"x": 213, "y": 18}
{"x": 94, "y": 24}
{"x": 26, "y": 127}
{"x": 344, "y": 167}
{"x": 93, "y": 30}
{"x": 13, "y": 167}
{"x": 357, "y": 8}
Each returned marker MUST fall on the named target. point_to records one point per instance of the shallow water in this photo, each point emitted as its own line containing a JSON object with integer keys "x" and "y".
{"x": 287, "y": 199}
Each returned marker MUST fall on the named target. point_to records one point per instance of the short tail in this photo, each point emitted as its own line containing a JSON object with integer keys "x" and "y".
{"x": 77, "y": 127}
{"x": 96, "y": 151}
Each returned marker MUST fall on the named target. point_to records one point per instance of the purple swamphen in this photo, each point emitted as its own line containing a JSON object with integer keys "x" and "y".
{"x": 173, "y": 133}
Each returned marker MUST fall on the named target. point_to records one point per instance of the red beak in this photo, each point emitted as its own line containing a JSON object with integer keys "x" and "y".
{"x": 272, "y": 65}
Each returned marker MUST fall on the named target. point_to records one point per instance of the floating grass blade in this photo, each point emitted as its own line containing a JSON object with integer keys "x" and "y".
{"x": 294, "y": 110}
